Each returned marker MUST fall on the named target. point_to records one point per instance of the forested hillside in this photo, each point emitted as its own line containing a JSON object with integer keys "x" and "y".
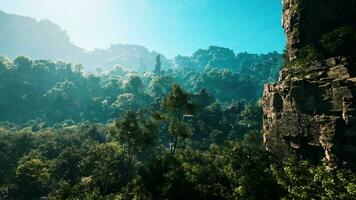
{"x": 125, "y": 135}
{"x": 126, "y": 123}
{"x": 58, "y": 91}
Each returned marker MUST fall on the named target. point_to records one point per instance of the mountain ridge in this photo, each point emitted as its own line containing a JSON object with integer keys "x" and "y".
{"x": 42, "y": 39}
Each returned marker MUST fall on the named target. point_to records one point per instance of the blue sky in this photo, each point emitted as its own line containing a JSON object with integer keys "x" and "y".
{"x": 169, "y": 26}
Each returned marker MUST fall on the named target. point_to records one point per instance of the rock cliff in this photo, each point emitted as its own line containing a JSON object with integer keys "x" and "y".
{"x": 306, "y": 21}
{"x": 312, "y": 108}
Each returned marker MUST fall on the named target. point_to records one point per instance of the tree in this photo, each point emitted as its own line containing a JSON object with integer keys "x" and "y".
{"x": 105, "y": 169}
{"x": 5, "y": 64}
{"x": 78, "y": 68}
{"x": 135, "y": 134}
{"x": 33, "y": 175}
{"x": 159, "y": 86}
{"x": 163, "y": 178}
{"x": 203, "y": 98}
{"x": 23, "y": 63}
{"x": 177, "y": 104}
{"x": 251, "y": 117}
{"x": 61, "y": 100}
{"x": 302, "y": 180}
{"x": 129, "y": 101}
{"x": 66, "y": 165}
{"x": 134, "y": 85}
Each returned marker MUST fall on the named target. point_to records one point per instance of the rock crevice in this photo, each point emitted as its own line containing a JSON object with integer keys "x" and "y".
{"x": 311, "y": 110}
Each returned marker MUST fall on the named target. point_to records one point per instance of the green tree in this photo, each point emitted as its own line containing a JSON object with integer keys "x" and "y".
{"x": 135, "y": 134}
{"x": 5, "y": 64}
{"x": 302, "y": 180}
{"x": 33, "y": 175}
{"x": 105, "y": 168}
{"x": 177, "y": 104}
{"x": 66, "y": 165}
{"x": 159, "y": 86}
{"x": 23, "y": 63}
{"x": 78, "y": 68}
{"x": 251, "y": 117}
{"x": 134, "y": 85}
{"x": 163, "y": 178}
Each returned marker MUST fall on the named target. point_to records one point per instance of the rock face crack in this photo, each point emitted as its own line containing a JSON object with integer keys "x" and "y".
{"x": 315, "y": 118}
{"x": 312, "y": 110}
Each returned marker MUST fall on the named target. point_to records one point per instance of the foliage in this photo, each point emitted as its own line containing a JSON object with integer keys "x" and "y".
{"x": 338, "y": 42}
{"x": 306, "y": 56}
{"x": 58, "y": 91}
{"x": 62, "y": 140}
{"x": 177, "y": 105}
{"x": 135, "y": 134}
{"x": 301, "y": 180}
{"x": 33, "y": 176}
{"x": 84, "y": 161}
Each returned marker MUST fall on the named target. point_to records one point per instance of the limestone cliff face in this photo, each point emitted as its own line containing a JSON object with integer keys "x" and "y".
{"x": 312, "y": 110}
{"x": 305, "y": 21}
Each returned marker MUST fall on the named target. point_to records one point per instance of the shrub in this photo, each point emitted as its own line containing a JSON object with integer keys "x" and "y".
{"x": 340, "y": 42}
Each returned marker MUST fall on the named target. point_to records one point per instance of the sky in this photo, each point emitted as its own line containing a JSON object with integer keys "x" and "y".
{"x": 170, "y": 27}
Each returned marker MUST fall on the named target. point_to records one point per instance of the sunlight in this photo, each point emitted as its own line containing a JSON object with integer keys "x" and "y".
{"x": 177, "y": 99}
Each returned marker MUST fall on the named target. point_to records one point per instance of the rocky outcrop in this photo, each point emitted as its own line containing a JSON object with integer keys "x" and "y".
{"x": 311, "y": 110}
{"x": 306, "y": 21}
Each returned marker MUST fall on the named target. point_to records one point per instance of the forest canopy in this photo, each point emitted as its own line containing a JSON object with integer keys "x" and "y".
{"x": 59, "y": 91}
{"x": 183, "y": 133}
{"x": 124, "y": 122}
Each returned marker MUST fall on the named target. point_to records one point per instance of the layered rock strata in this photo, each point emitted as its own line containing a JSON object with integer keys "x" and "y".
{"x": 311, "y": 110}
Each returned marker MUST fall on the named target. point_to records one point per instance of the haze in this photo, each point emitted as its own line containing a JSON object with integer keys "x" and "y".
{"x": 171, "y": 27}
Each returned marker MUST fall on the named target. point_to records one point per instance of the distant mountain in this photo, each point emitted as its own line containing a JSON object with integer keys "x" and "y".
{"x": 45, "y": 40}
{"x": 130, "y": 57}
{"x": 258, "y": 65}
{"x": 38, "y": 39}
{"x": 215, "y": 56}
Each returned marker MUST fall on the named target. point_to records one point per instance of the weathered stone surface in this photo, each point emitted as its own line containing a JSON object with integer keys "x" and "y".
{"x": 311, "y": 110}
{"x": 316, "y": 118}
{"x": 305, "y": 21}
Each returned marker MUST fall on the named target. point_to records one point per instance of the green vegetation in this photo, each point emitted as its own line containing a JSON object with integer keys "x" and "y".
{"x": 186, "y": 133}
{"x": 338, "y": 42}
{"x": 97, "y": 161}
{"x": 54, "y": 92}
{"x": 189, "y": 128}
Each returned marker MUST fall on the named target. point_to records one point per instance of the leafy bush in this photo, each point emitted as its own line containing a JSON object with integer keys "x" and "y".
{"x": 340, "y": 42}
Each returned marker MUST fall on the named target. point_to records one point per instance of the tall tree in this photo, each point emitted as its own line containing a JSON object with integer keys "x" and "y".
{"x": 135, "y": 134}
{"x": 178, "y": 105}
